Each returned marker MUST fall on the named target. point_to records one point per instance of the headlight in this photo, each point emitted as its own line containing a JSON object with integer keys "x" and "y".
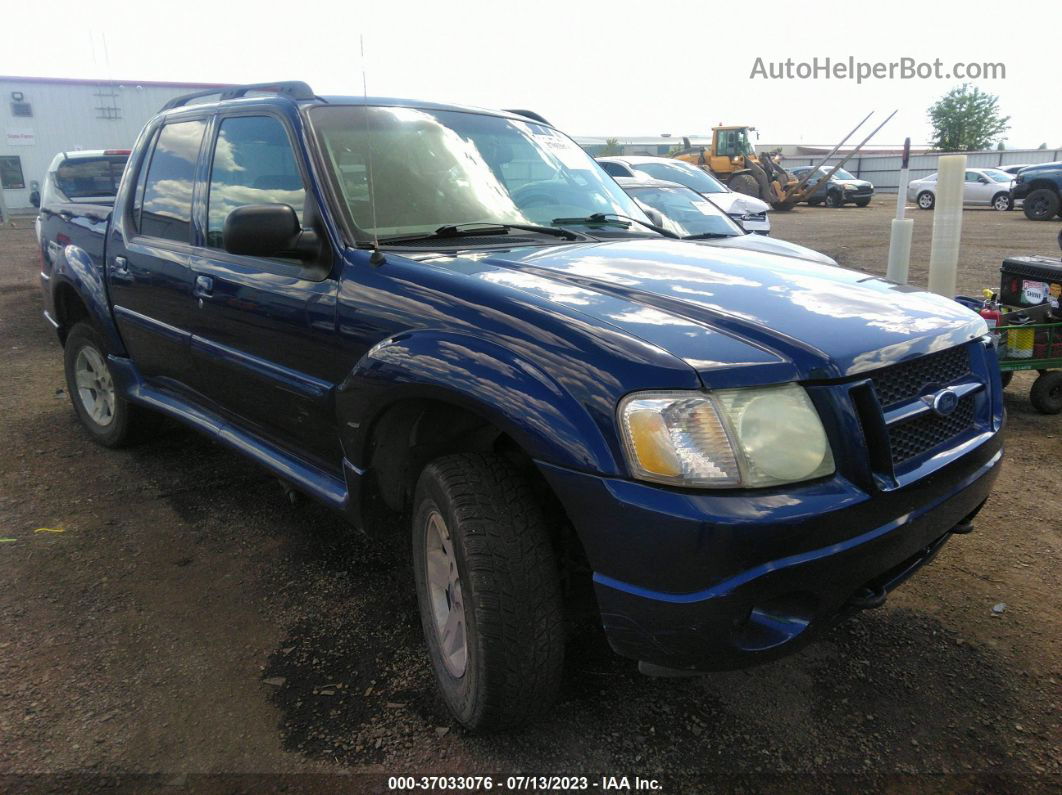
{"x": 725, "y": 438}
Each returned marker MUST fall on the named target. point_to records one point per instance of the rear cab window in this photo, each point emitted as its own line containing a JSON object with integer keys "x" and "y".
{"x": 90, "y": 178}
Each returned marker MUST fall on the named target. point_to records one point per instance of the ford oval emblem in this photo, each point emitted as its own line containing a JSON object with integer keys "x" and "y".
{"x": 945, "y": 402}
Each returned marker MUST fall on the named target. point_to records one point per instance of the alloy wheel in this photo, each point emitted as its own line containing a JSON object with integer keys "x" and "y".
{"x": 95, "y": 387}
{"x": 444, "y": 592}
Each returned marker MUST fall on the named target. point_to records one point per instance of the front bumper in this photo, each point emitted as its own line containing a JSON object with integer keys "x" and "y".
{"x": 716, "y": 581}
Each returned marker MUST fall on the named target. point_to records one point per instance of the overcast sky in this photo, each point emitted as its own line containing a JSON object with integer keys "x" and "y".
{"x": 602, "y": 68}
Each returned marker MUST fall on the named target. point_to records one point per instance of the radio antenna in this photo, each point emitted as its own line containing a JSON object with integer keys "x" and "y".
{"x": 377, "y": 257}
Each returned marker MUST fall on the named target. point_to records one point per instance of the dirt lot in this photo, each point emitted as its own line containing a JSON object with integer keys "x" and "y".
{"x": 165, "y": 611}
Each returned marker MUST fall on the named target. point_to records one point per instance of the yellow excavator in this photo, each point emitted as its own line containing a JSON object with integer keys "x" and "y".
{"x": 734, "y": 161}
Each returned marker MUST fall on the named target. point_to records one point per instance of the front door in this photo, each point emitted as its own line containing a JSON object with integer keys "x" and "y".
{"x": 149, "y": 254}
{"x": 264, "y": 333}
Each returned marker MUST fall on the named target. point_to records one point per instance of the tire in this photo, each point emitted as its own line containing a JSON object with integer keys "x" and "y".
{"x": 834, "y": 199}
{"x": 1002, "y": 202}
{"x": 862, "y": 202}
{"x": 1006, "y": 377}
{"x": 926, "y": 200}
{"x": 1041, "y": 205}
{"x": 745, "y": 183}
{"x": 1046, "y": 393}
{"x": 108, "y": 417}
{"x": 480, "y": 541}
{"x": 814, "y": 202}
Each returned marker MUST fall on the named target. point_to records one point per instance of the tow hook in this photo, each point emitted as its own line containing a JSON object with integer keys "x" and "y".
{"x": 867, "y": 598}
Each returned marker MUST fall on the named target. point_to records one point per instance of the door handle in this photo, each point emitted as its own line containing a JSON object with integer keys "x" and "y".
{"x": 204, "y": 287}
{"x": 120, "y": 269}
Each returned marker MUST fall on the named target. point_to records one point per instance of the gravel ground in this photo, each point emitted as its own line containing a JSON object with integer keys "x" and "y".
{"x": 165, "y": 613}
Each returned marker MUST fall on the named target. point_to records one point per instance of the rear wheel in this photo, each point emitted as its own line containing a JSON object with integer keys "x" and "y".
{"x": 1002, "y": 202}
{"x": 108, "y": 417}
{"x": 926, "y": 200}
{"x": 1046, "y": 394}
{"x": 489, "y": 591}
{"x": 1041, "y": 205}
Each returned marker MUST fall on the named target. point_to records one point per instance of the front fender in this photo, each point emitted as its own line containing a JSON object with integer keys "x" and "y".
{"x": 75, "y": 269}
{"x": 513, "y": 394}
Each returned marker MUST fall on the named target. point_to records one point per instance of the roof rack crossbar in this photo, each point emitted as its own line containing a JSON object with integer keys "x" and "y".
{"x": 529, "y": 114}
{"x": 293, "y": 89}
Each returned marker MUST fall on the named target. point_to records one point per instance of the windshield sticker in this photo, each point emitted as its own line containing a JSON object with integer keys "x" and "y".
{"x": 563, "y": 149}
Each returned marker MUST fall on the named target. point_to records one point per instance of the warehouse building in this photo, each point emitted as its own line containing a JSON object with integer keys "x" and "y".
{"x": 42, "y": 116}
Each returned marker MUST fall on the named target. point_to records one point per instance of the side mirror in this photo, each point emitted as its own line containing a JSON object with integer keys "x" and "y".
{"x": 983, "y": 180}
{"x": 35, "y": 199}
{"x": 268, "y": 230}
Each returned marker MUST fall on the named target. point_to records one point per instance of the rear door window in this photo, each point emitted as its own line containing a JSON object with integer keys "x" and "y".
{"x": 254, "y": 163}
{"x": 167, "y": 203}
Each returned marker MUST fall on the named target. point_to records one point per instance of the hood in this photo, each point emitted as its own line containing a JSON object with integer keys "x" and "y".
{"x": 721, "y": 308}
{"x": 769, "y": 245}
{"x": 853, "y": 183}
{"x": 733, "y": 203}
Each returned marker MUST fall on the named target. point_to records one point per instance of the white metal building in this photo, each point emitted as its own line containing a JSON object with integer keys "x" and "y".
{"x": 42, "y": 116}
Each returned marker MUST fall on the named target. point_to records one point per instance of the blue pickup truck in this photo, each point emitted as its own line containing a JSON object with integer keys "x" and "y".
{"x": 457, "y": 313}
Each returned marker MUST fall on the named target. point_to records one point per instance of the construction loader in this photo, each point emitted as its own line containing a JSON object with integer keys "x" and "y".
{"x": 734, "y": 161}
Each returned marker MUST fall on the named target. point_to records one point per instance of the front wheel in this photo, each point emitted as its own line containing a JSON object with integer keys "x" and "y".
{"x": 1041, "y": 205}
{"x": 1046, "y": 394}
{"x": 1002, "y": 202}
{"x": 926, "y": 200}
{"x": 862, "y": 202}
{"x": 108, "y": 417}
{"x": 834, "y": 199}
{"x": 489, "y": 591}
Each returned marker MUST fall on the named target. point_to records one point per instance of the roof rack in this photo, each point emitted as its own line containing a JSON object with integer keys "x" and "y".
{"x": 530, "y": 114}
{"x": 293, "y": 89}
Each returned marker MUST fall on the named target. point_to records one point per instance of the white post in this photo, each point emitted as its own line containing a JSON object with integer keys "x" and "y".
{"x": 947, "y": 225}
{"x": 5, "y": 216}
{"x": 900, "y": 250}
{"x": 902, "y": 229}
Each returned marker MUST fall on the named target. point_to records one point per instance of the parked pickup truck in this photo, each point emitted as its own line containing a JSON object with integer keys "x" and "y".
{"x": 1040, "y": 187}
{"x": 458, "y": 313}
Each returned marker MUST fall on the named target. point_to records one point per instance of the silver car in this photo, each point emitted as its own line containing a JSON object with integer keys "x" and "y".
{"x": 748, "y": 211}
{"x": 983, "y": 187}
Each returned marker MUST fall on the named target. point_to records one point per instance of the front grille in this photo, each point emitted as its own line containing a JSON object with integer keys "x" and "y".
{"x": 921, "y": 376}
{"x": 914, "y": 437}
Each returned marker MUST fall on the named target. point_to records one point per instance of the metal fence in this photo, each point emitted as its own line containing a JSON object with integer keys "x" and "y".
{"x": 884, "y": 170}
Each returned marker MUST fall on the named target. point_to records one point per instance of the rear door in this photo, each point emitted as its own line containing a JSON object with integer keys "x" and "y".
{"x": 149, "y": 253}
{"x": 265, "y": 342}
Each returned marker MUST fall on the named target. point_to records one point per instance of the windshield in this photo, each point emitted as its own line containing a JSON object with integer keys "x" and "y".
{"x": 432, "y": 168}
{"x": 838, "y": 174}
{"x": 998, "y": 176}
{"x": 684, "y": 174}
{"x": 90, "y": 177}
{"x": 686, "y": 213}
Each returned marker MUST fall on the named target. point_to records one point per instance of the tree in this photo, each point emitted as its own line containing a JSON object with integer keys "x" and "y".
{"x": 611, "y": 147}
{"x": 966, "y": 119}
{"x": 1000, "y": 147}
{"x": 1043, "y": 145}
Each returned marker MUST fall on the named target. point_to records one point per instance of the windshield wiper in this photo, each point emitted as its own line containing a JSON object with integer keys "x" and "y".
{"x": 475, "y": 228}
{"x": 706, "y": 235}
{"x": 615, "y": 219}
